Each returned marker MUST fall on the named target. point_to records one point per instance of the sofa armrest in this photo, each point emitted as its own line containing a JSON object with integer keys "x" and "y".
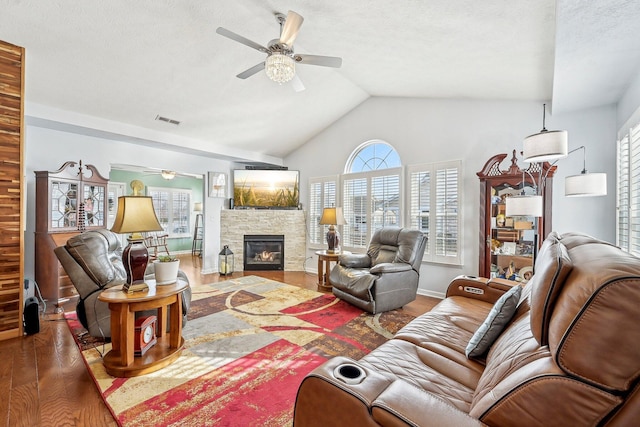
{"x": 390, "y": 267}
{"x": 404, "y": 402}
{"x": 355, "y": 260}
{"x": 480, "y": 288}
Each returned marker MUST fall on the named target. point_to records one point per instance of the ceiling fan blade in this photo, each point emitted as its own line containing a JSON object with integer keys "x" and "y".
{"x": 325, "y": 61}
{"x": 291, "y": 27}
{"x": 297, "y": 83}
{"x": 245, "y": 41}
{"x": 251, "y": 71}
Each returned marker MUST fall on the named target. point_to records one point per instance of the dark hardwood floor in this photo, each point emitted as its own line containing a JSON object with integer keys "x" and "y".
{"x": 43, "y": 378}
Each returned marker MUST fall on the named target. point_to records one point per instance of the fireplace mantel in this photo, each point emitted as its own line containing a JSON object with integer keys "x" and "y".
{"x": 235, "y": 223}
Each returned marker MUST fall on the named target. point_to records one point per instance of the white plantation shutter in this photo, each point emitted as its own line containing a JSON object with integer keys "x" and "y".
{"x": 623, "y": 192}
{"x": 447, "y": 207}
{"x": 322, "y": 194}
{"x": 634, "y": 196}
{"x": 354, "y": 196}
{"x": 371, "y": 200}
{"x": 385, "y": 201}
{"x": 434, "y": 208}
{"x": 628, "y": 184}
{"x": 420, "y": 202}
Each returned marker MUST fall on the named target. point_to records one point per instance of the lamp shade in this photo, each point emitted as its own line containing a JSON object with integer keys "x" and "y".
{"x": 585, "y": 185}
{"x": 524, "y": 206}
{"x": 197, "y": 207}
{"x": 135, "y": 215}
{"x": 332, "y": 216}
{"x": 545, "y": 146}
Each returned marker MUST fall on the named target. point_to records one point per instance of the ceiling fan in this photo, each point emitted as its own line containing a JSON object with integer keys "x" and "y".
{"x": 281, "y": 59}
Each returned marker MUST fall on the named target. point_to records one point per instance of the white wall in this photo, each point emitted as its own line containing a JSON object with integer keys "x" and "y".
{"x": 629, "y": 103}
{"x": 47, "y": 149}
{"x": 434, "y": 130}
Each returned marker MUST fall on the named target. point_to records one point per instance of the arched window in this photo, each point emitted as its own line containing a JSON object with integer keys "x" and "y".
{"x": 371, "y": 156}
{"x": 371, "y": 191}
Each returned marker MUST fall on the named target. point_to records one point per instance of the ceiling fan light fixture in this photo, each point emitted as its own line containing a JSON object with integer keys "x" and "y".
{"x": 168, "y": 174}
{"x": 280, "y": 68}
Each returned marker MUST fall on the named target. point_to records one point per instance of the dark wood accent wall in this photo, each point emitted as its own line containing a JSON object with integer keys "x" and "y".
{"x": 11, "y": 189}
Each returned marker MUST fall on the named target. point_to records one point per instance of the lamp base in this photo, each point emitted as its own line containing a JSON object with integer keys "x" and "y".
{"x": 333, "y": 240}
{"x": 135, "y": 258}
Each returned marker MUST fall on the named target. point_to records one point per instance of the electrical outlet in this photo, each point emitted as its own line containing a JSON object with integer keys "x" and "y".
{"x": 472, "y": 290}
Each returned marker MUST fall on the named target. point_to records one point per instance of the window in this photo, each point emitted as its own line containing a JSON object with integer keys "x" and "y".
{"x": 628, "y": 198}
{"x": 172, "y": 207}
{"x": 373, "y": 155}
{"x": 434, "y": 208}
{"x": 372, "y": 197}
{"x": 371, "y": 200}
{"x": 371, "y": 192}
{"x": 322, "y": 194}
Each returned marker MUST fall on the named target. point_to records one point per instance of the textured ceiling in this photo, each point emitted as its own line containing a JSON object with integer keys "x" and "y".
{"x": 126, "y": 62}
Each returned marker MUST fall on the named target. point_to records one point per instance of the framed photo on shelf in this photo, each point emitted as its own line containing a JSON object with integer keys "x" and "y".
{"x": 217, "y": 184}
{"x": 509, "y": 248}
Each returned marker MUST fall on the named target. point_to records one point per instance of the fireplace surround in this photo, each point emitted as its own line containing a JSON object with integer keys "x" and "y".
{"x": 236, "y": 223}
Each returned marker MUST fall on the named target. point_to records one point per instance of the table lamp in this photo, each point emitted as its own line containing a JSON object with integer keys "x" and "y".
{"x": 332, "y": 217}
{"x": 135, "y": 215}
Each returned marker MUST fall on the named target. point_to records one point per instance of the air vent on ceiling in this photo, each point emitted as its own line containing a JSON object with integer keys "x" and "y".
{"x": 168, "y": 120}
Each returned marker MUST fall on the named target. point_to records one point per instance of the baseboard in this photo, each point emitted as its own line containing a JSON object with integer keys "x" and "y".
{"x": 432, "y": 294}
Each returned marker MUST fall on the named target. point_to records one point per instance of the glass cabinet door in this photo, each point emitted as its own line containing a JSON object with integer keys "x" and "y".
{"x": 94, "y": 202}
{"x": 64, "y": 204}
{"x": 512, "y": 239}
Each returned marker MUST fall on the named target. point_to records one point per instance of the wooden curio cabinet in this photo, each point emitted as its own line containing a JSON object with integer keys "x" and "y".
{"x": 68, "y": 201}
{"x": 508, "y": 245}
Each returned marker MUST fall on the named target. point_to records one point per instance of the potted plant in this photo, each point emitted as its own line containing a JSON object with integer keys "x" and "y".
{"x": 166, "y": 269}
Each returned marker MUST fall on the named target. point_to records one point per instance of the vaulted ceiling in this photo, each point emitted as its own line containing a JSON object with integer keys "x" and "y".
{"x": 111, "y": 67}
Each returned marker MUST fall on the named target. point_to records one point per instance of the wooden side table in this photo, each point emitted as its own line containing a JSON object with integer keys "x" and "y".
{"x": 120, "y": 361}
{"x": 324, "y": 267}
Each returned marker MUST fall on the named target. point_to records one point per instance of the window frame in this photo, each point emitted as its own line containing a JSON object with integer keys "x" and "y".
{"x": 431, "y": 253}
{"x": 368, "y": 211}
{"x": 628, "y": 187}
{"x": 171, "y": 191}
{"x": 314, "y": 213}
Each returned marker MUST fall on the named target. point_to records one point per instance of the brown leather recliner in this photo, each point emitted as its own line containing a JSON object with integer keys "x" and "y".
{"x": 93, "y": 261}
{"x": 569, "y": 356}
{"x": 384, "y": 278}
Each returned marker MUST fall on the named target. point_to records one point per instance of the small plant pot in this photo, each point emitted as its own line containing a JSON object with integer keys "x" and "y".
{"x": 166, "y": 272}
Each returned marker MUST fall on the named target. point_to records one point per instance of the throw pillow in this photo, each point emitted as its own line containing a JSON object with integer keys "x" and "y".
{"x": 500, "y": 314}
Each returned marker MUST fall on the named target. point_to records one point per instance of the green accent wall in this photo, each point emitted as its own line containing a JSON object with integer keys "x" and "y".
{"x": 196, "y": 186}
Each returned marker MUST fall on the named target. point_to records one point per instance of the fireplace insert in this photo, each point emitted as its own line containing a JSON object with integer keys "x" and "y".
{"x": 263, "y": 252}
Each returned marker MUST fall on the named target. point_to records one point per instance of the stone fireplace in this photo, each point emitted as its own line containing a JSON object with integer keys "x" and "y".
{"x": 235, "y": 224}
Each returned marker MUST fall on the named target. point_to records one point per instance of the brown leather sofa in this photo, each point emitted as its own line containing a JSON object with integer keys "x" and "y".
{"x": 570, "y": 356}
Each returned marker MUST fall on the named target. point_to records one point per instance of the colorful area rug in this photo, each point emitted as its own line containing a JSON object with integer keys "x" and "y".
{"x": 249, "y": 342}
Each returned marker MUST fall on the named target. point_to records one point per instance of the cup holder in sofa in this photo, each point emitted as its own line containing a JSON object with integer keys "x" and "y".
{"x": 349, "y": 374}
